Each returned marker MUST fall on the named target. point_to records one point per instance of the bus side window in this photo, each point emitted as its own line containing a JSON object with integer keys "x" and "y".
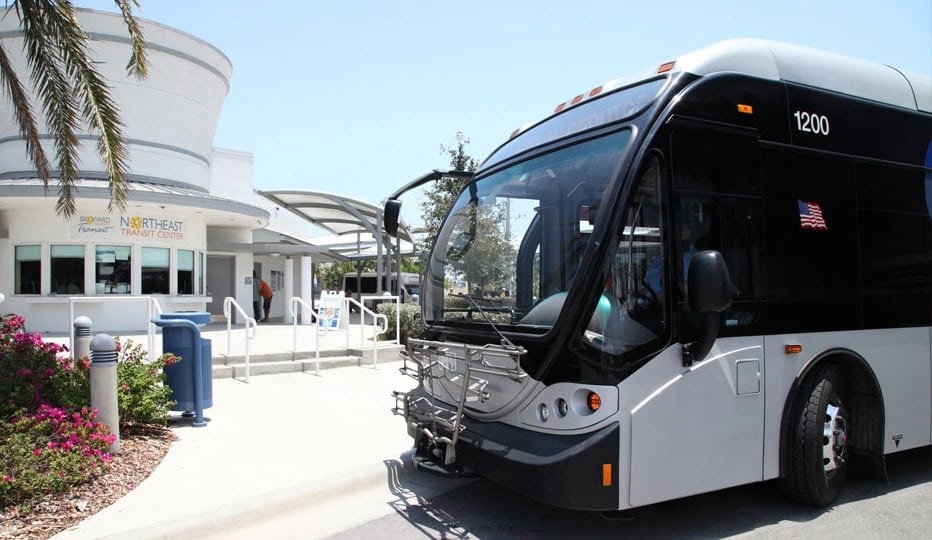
{"x": 717, "y": 205}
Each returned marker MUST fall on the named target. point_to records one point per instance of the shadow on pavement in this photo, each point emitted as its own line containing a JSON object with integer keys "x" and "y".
{"x": 481, "y": 509}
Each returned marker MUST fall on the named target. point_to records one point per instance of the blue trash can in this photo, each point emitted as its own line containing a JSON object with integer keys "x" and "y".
{"x": 181, "y": 340}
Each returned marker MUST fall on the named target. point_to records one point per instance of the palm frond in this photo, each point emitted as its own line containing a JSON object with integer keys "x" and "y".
{"x": 71, "y": 89}
{"x": 22, "y": 109}
{"x": 137, "y": 65}
{"x": 55, "y": 92}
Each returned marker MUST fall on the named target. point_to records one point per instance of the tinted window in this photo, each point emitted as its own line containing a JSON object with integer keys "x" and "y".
{"x": 67, "y": 269}
{"x": 113, "y": 269}
{"x": 812, "y": 270}
{"x": 716, "y": 183}
{"x": 185, "y": 272}
{"x": 27, "y": 269}
{"x": 716, "y": 162}
{"x": 155, "y": 264}
{"x": 896, "y": 245}
{"x": 891, "y": 188}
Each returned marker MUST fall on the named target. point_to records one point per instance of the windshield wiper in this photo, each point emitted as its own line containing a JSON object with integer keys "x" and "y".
{"x": 505, "y": 340}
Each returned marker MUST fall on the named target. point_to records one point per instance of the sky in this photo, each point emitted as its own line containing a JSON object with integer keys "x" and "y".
{"x": 357, "y": 98}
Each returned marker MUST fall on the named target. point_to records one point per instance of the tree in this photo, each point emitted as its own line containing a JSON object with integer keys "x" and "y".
{"x": 487, "y": 269}
{"x": 442, "y": 194}
{"x": 72, "y": 93}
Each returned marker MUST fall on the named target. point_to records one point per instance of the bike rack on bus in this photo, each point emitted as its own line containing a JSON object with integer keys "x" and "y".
{"x": 433, "y": 361}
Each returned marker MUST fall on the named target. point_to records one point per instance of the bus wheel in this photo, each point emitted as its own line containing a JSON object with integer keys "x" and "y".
{"x": 818, "y": 444}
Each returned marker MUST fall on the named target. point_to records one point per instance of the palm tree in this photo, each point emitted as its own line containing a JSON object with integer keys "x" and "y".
{"x": 73, "y": 95}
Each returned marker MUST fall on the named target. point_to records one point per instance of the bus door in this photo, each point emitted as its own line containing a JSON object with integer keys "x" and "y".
{"x": 700, "y": 428}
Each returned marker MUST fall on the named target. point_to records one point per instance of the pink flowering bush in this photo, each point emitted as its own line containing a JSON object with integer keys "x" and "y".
{"x": 27, "y": 367}
{"x": 49, "y": 439}
{"x": 49, "y": 451}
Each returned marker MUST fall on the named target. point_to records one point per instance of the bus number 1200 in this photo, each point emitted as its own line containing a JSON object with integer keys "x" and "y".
{"x": 811, "y": 123}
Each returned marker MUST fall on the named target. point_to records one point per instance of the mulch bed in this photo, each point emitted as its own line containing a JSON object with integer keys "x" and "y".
{"x": 44, "y": 517}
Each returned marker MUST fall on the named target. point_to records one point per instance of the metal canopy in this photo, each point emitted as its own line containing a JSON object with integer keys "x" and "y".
{"x": 337, "y": 214}
{"x": 345, "y": 217}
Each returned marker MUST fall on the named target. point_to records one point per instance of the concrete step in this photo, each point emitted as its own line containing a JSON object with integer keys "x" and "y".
{"x": 238, "y": 370}
{"x": 258, "y": 358}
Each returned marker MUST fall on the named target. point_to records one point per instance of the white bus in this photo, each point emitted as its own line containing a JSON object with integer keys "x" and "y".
{"x": 367, "y": 285}
{"x": 722, "y": 275}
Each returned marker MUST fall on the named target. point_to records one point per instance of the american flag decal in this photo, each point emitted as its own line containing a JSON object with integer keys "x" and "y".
{"x": 810, "y": 216}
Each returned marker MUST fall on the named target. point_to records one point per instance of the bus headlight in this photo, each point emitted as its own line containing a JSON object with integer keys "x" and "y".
{"x": 562, "y": 407}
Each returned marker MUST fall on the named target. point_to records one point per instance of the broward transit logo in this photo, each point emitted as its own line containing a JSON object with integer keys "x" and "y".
{"x": 94, "y": 224}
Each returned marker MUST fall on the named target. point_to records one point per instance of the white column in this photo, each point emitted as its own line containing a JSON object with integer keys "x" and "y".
{"x": 307, "y": 288}
{"x": 288, "y": 288}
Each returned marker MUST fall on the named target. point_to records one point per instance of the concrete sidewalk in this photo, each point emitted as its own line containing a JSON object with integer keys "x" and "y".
{"x": 288, "y": 442}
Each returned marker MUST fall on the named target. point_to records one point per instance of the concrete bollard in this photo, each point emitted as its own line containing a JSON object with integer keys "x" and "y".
{"x": 82, "y": 338}
{"x": 104, "y": 385}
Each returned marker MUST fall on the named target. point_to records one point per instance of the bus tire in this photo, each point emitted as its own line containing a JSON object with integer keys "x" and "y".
{"x": 818, "y": 444}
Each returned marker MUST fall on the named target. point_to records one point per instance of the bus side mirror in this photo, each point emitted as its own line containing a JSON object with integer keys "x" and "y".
{"x": 390, "y": 215}
{"x": 710, "y": 293}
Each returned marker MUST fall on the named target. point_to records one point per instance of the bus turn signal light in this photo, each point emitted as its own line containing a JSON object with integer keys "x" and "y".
{"x": 594, "y": 401}
{"x": 606, "y": 474}
{"x": 745, "y": 109}
{"x": 792, "y": 349}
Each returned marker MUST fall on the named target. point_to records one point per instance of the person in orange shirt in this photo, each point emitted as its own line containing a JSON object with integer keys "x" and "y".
{"x": 266, "y": 292}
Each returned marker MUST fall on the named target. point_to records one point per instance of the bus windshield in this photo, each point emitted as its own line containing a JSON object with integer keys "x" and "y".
{"x": 510, "y": 246}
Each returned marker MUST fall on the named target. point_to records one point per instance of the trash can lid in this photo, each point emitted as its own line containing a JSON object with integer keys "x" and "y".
{"x": 197, "y": 317}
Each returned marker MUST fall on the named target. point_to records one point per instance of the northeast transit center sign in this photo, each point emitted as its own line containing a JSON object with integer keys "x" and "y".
{"x": 128, "y": 227}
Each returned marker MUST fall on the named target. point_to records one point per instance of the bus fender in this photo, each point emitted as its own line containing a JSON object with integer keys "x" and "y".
{"x": 867, "y": 408}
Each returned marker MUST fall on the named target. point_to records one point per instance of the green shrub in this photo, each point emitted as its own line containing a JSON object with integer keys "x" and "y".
{"x": 143, "y": 396}
{"x": 410, "y": 321}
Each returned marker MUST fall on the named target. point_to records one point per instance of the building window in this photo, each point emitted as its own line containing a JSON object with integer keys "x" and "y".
{"x": 185, "y": 271}
{"x": 28, "y": 269}
{"x": 67, "y": 265}
{"x": 114, "y": 270}
{"x": 155, "y": 267}
{"x": 200, "y": 273}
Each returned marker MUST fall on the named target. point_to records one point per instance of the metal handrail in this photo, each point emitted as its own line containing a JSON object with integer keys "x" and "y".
{"x": 250, "y": 326}
{"x": 295, "y": 300}
{"x": 378, "y": 330}
{"x": 154, "y": 310}
{"x": 347, "y": 301}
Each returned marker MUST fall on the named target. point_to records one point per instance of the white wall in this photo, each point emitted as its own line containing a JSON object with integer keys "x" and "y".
{"x": 170, "y": 118}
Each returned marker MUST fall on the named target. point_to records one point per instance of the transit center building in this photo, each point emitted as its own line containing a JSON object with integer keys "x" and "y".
{"x": 193, "y": 229}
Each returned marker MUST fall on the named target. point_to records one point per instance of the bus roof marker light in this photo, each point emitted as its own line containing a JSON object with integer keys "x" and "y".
{"x": 665, "y": 67}
{"x": 577, "y": 99}
{"x": 792, "y": 349}
{"x": 745, "y": 109}
{"x": 559, "y": 108}
{"x": 595, "y": 91}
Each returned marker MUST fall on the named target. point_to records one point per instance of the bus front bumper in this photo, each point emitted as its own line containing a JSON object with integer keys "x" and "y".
{"x": 570, "y": 471}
